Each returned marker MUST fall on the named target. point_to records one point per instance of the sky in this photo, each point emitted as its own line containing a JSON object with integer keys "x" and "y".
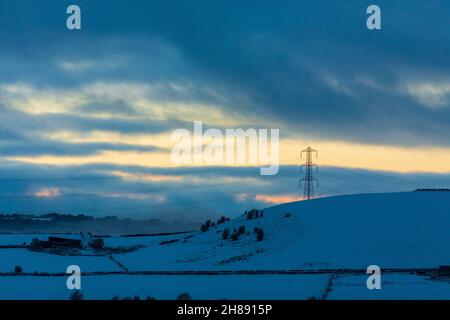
{"x": 86, "y": 115}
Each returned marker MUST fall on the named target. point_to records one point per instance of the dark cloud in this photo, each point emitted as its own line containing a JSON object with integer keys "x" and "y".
{"x": 277, "y": 56}
{"x": 15, "y": 123}
{"x": 33, "y": 147}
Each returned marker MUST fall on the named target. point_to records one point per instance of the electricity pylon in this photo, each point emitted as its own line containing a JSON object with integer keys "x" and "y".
{"x": 308, "y": 179}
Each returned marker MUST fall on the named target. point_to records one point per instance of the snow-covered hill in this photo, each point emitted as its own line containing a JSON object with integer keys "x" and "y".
{"x": 410, "y": 229}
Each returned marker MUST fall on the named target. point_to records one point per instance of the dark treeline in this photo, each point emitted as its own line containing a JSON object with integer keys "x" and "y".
{"x": 65, "y": 223}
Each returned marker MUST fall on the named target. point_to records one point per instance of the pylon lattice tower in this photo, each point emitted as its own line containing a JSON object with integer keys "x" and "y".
{"x": 308, "y": 179}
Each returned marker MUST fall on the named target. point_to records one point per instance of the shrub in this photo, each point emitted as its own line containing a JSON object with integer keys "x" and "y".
{"x": 76, "y": 295}
{"x": 97, "y": 243}
{"x": 236, "y": 233}
{"x": 259, "y": 234}
{"x": 35, "y": 243}
{"x": 225, "y": 234}
{"x": 254, "y": 213}
{"x": 184, "y": 296}
{"x": 241, "y": 230}
{"x": 18, "y": 269}
{"x": 205, "y": 227}
{"x": 222, "y": 220}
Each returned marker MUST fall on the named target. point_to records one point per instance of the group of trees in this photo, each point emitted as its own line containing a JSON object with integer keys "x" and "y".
{"x": 237, "y": 233}
{"x": 234, "y": 236}
{"x": 205, "y": 226}
{"x": 208, "y": 224}
{"x": 240, "y": 231}
{"x": 254, "y": 213}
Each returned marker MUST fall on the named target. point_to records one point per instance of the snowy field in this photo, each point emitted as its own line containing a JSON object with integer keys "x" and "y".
{"x": 257, "y": 287}
{"x": 393, "y": 287}
{"x": 167, "y": 287}
{"x": 43, "y": 262}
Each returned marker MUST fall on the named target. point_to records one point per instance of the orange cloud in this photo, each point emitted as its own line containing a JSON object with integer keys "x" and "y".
{"x": 282, "y": 198}
{"x": 47, "y": 193}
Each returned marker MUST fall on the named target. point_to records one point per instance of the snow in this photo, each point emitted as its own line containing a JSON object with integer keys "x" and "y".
{"x": 117, "y": 241}
{"x": 43, "y": 262}
{"x": 391, "y": 230}
{"x": 393, "y": 287}
{"x": 166, "y": 287}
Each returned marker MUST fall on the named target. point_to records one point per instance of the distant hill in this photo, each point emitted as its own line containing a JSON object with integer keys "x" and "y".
{"x": 111, "y": 225}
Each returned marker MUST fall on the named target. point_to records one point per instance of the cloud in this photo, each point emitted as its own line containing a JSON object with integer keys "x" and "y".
{"x": 77, "y": 66}
{"x": 119, "y": 100}
{"x": 146, "y": 177}
{"x": 434, "y": 95}
{"x": 114, "y": 107}
{"x": 47, "y": 193}
{"x": 338, "y": 86}
{"x": 160, "y": 74}
{"x": 277, "y": 199}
